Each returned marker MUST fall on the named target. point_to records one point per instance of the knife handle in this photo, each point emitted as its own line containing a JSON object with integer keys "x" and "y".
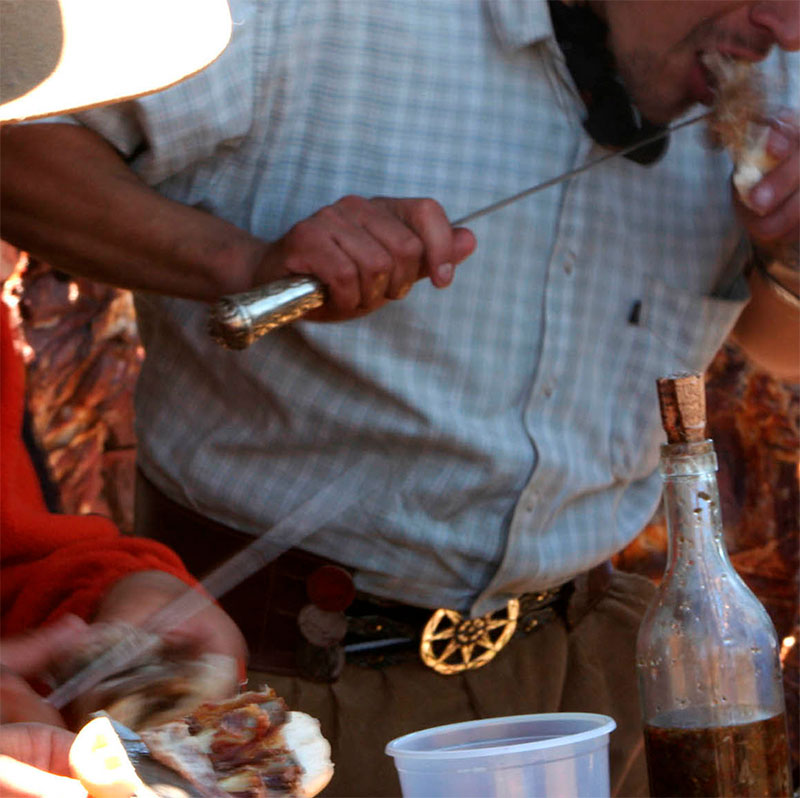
{"x": 239, "y": 319}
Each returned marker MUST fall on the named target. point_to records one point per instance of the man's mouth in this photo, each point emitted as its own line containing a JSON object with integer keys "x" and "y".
{"x": 715, "y": 70}
{"x": 703, "y": 83}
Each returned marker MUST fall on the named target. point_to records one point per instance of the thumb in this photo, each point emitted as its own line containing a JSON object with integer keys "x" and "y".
{"x": 464, "y": 244}
{"x": 29, "y": 653}
{"x": 18, "y": 780}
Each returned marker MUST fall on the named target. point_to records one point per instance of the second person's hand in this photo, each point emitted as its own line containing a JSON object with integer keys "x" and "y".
{"x": 28, "y": 655}
{"x": 34, "y": 762}
{"x": 134, "y": 599}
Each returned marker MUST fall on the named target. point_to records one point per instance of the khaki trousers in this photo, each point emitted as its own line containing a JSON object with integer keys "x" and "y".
{"x": 588, "y": 667}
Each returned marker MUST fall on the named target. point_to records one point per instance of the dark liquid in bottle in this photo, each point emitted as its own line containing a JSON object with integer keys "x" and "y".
{"x": 738, "y": 759}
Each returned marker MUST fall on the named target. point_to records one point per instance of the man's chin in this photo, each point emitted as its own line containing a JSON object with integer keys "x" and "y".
{"x": 662, "y": 103}
{"x": 660, "y": 115}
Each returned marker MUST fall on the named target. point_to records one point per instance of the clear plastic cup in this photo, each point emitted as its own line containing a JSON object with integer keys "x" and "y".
{"x": 557, "y": 755}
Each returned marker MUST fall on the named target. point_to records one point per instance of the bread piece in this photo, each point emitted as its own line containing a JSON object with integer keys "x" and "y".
{"x": 754, "y": 162}
{"x": 247, "y": 747}
{"x": 98, "y": 760}
{"x": 311, "y": 750}
{"x": 738, "y": 106}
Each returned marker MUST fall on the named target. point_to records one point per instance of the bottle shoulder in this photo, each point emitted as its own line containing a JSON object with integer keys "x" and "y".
{"x": 694, "y": 615}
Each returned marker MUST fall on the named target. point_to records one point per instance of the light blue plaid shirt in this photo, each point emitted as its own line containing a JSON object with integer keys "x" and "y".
{"x": 505, "y": 430}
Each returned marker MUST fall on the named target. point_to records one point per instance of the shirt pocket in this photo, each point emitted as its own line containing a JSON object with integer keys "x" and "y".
{"x": 670, "y": 330}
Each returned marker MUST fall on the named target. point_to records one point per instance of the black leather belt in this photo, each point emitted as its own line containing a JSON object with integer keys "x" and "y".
{"x": 300, "y": 616}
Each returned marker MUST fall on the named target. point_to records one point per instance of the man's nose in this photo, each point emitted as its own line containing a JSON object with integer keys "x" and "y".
{"x": 781, "y": 18}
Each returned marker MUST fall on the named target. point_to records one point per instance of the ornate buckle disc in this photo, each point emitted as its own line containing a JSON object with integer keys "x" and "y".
{"x": 452, "y": 643}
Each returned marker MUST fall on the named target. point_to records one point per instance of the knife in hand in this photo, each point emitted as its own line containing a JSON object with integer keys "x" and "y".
{"x": 237, "y": 320}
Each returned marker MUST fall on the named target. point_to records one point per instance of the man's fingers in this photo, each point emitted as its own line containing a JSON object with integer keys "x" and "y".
{"x": 464, "y": 244}
{"x": 33, "y": 651}
{"x": 310, "y": 248}
{"x": 430, "y": 222}
{"x": 403, "y": 245}
{"x": 782, "y": 223}
{"x": 771, "y": 210}
{"x": 34, "y": 761}
{"x": 445, "y": 246}
{"x": 367, "y": 251}
{"x": 38, "y": 744}
{"x": 780, "y": 183}
{"x": 362, "y": 234}
{"x": 787, "y": 122}
{"x": 427, "y": 219}
{"x": 19, "y": 702}
{"x": 780, "y": 143}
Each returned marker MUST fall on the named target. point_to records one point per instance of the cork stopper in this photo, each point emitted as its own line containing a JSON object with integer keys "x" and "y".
{"x": 683, "y": 407}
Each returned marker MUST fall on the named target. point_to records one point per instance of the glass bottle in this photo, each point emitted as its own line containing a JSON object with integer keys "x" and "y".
{"x": 707, "y": 653}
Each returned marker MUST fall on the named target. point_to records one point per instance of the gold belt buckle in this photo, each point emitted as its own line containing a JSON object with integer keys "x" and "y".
{"x": 452, "y": 643}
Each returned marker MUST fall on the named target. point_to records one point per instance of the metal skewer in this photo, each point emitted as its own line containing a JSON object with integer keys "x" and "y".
{"x": 236, "y": 321}
{"x": 554, "y": 181}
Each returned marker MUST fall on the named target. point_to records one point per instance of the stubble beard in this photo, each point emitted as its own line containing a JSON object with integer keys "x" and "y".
{"x": 658, "y": 95}
{"x": 657, "y": 83}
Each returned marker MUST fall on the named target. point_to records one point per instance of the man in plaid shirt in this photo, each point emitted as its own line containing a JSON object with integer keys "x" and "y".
{"x": 494, "y": 440}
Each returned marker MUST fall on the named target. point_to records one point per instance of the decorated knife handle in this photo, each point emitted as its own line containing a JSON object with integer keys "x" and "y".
{"x": 239, "y": 319}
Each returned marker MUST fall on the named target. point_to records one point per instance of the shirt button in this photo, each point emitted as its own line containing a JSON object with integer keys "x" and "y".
{"x": 568, "y": 266}
{"x": 547, "y": 391}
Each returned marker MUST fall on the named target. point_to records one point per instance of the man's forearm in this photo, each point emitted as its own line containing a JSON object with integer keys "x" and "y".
{"x": 69, "y": 199}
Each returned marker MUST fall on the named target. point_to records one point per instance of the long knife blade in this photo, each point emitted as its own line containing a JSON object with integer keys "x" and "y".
{"x": 340, "y": 494}
{"x": 554, "y": 181}
{"x": 237, "y": 320}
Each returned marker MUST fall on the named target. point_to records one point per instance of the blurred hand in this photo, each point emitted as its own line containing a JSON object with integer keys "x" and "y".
{"x": 27, "y": 655}
{"x": 137, "y": 597}
{"x": 34, "y": 762}
{"x": 368, "y": 251}
{"x": 774, "y": 213}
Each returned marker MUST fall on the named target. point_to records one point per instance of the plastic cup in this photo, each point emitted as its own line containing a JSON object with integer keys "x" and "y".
{"x": 557, "y": 755}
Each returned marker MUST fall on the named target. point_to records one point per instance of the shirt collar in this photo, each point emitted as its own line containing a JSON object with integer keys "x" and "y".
{"x": 520, "y": 22}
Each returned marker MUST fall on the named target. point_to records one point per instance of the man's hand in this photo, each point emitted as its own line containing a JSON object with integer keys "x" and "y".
{"x": 767, "y": 330}
{"x": 27, "y": 655}
{"x": 34, "y": 762}
{"x": 135, "y": 598}
{"x": 367, "y": 251}
{"x": 773, "y": 215}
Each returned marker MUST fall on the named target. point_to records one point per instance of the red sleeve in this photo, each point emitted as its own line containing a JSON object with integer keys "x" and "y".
{"x": 51, "y": 564}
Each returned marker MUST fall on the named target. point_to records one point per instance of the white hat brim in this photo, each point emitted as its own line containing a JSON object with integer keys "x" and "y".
{"x": 101, "y": 51}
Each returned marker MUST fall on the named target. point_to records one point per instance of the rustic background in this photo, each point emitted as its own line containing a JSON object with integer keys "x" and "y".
{"x": 84, "y": 355}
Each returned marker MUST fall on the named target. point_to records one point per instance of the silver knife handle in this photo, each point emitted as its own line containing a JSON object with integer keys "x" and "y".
{"x": 239, "y": 319}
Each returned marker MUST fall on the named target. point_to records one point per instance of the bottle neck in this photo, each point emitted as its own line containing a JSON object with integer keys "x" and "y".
{"x": 691, "y": 506}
